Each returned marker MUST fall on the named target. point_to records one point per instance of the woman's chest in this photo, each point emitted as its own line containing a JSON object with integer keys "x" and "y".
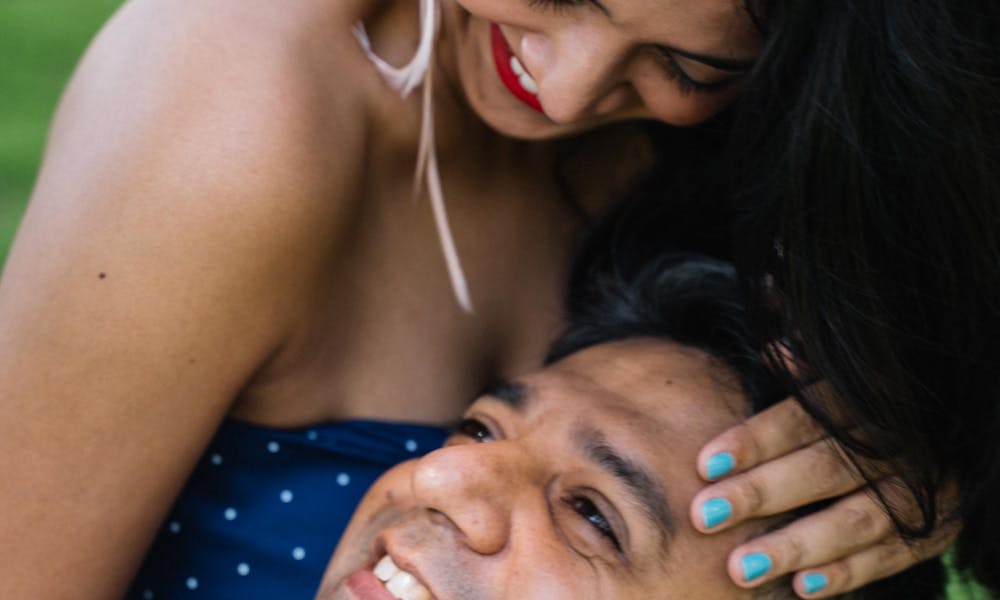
{"x": 385, "y": 338}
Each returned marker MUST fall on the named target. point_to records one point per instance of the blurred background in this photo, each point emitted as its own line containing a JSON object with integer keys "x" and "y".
{"x": 40, "y": 43}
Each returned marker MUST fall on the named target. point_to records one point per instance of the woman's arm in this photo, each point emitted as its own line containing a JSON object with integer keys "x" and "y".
{"x": 168, "y": 249}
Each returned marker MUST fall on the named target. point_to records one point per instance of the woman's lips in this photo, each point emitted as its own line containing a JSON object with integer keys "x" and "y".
{"x": 502, "y": 56}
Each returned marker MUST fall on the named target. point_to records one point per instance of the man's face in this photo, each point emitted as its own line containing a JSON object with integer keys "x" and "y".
{"x": 573, "y": 482}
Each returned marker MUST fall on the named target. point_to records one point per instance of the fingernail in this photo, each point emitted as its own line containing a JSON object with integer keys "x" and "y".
{"x": 719, "y": 464}
{"x": 755, "y": 565}
{"x": 814, "y": 582}
{"x": 715, "y": 511}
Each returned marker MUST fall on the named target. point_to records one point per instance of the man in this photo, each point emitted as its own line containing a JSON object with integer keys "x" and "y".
{"x": 573, "y": 482}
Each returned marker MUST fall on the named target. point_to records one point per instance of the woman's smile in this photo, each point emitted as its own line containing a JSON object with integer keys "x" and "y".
{"x": 512, "y": 72}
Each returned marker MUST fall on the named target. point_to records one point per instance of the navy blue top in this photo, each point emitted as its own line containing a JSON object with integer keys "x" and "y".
{"x": 264, "y": 509}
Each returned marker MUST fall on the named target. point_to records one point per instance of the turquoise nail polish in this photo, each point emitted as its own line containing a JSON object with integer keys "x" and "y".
{"x": 719, "y": 465}
{"x": 715, "y": 511}
{"x": 755, "y": 565}
{"x": 814, "y": 582}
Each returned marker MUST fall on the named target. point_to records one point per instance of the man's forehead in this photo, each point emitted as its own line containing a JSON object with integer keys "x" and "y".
{"x": 656, "y": 378}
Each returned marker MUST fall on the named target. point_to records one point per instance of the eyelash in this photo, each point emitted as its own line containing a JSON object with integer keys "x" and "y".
{"x": 670, "y": 66}
{"x": 556, "y": 3}
{"x": 475, "y": 429}
{"x": 684, "y": 81}
{"x": 581, "y": 505}
{"x": 586, "y": 508}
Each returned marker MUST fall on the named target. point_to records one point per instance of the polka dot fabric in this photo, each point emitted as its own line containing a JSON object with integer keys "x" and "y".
{"x": 264, "y": 510}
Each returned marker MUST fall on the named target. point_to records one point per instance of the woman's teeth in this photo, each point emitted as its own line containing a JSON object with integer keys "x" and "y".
{"x": 522, "y": 76}
{"x": 400, "y": 584}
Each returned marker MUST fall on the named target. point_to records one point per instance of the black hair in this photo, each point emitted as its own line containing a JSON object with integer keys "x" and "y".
{"x": 624, "y": 286}
{"x": 688, "y": 298}
{"x": 864, "y": 169}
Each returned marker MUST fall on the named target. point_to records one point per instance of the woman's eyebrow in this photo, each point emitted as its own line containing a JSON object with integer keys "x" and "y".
{"x": 730, "y": 65}
{"x": 644, "y": 488}
{"x": 600, "y": 6}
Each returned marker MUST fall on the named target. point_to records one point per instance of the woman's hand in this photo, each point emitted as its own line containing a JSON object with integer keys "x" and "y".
{"x": 779, "y": 460}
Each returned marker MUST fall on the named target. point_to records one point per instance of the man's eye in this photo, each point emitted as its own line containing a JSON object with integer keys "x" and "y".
{"x": 475, "y": 429}
{"x": 589, "y": 511}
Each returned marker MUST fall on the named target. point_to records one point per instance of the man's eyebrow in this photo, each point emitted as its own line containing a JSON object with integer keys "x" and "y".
{"x": 646, "y": 492}
{"x": 511, "y": 393}
{"x": 716, "y": 62}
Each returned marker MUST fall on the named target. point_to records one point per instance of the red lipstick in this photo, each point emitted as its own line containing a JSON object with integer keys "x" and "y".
{"x": 501, "y": 56}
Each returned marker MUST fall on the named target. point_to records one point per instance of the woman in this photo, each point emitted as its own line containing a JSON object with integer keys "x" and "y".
{"x": 230, "y": 235}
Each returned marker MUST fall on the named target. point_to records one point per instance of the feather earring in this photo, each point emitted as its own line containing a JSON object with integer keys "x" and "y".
{"x": 405, "y": 79}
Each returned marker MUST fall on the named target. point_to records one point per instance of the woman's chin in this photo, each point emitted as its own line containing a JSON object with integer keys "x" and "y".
{"x": 522, "y": 122}
{"x": 520, "y": 130}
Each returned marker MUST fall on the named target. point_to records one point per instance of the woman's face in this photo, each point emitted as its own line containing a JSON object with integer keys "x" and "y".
{"x": 543, "y": 68}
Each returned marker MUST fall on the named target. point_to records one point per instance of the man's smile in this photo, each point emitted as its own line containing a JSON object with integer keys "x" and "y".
{"x": 399, "y": 583}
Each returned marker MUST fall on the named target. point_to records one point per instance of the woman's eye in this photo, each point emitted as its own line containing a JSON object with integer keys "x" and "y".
{"x": 589, "y": 511}
{"x": 685, "y": 82}
{"x": 475, "y": 429}
{"x": 556, "y": 3}
{"x": 561, "y": 5}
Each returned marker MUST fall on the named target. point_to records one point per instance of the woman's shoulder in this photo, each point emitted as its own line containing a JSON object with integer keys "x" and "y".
{"x": 235, "y": 83}
{"x": 199, "y": 108}
{"x": 194, "y": 127}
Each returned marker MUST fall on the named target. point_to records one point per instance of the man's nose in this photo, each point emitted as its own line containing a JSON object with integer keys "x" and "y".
{"x": 580, "y": 73}
{"x": 476, "y": 487}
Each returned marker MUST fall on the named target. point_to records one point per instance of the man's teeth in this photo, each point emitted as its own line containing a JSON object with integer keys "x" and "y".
{"x": 385, "y": 568}
{"x": 522, "y": 76}
{"x": 400, "y": 584}
{"x": 406, "y": 587}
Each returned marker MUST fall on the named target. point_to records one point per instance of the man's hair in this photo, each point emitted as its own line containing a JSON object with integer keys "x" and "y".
{"x": 695, "y": 300}
{"x": 688, "y": 298}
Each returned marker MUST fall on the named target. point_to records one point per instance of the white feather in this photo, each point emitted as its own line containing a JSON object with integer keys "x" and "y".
{"x": 404, "y": 79}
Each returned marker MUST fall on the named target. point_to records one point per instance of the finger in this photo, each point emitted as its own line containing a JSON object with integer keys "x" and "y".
{"x": 769, "y": 434}
{"x": 852, "y": 524}
{"x": 885, "y": 559}
{"x": 816, "y": 472}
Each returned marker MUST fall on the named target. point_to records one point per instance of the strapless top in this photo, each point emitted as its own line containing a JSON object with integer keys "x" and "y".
{"x": 264, "y": 509}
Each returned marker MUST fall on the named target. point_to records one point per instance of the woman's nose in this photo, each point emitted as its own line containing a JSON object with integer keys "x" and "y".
{"x": 476, "y": 486}
{"x": 580, "y": 73}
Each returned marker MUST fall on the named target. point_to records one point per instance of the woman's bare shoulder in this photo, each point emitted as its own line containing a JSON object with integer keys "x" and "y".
{"x": 201, "y": 127}
{"x": 211, "y": 110}
{"x": 235, "y": 84}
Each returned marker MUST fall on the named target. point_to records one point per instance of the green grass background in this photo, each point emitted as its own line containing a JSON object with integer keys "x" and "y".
{"x": 40, "y": 43}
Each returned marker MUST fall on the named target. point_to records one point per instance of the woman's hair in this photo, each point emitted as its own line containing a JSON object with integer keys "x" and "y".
{"x": 863, "y": 180}
{"x": 620, "y": 291}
